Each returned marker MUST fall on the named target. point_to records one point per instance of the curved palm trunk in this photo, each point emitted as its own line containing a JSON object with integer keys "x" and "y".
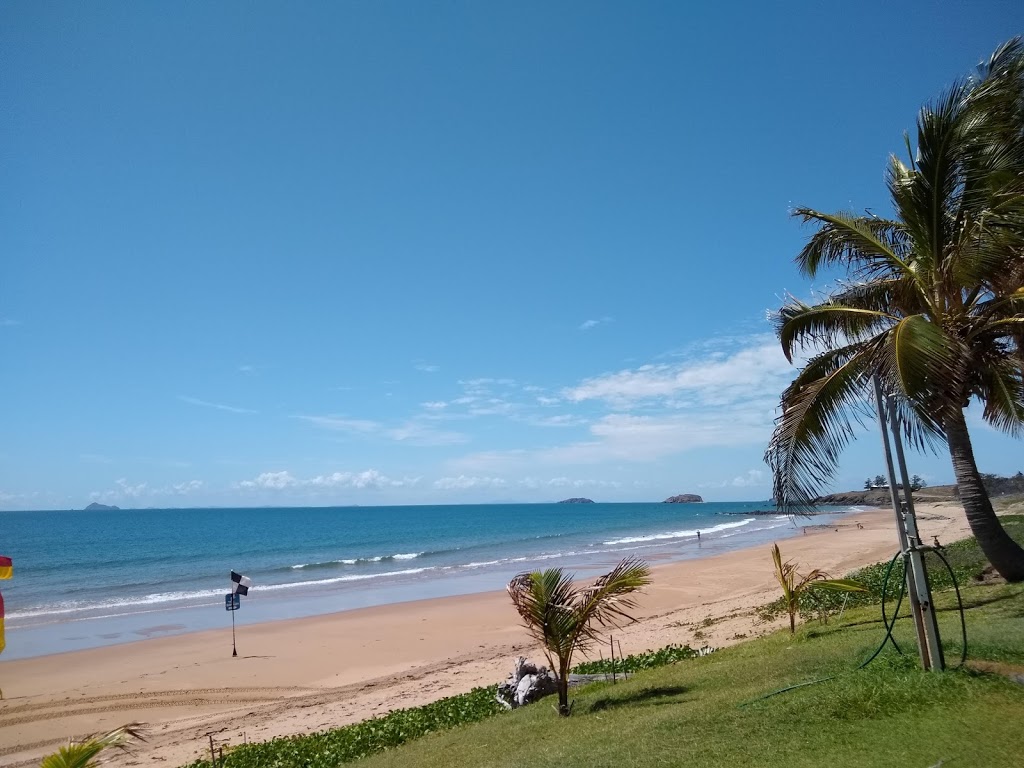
{"x": 1006, "y": 555}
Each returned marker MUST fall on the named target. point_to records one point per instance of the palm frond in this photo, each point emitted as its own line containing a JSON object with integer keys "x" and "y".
{"x": 609, "y": 599}
{"x": 84, "y": 754}
{"x": 921, "y": 359}
{"x": 1002, "y": 391}
{"x": 827, "y": 324}
{"x": 819, "y": 411}
{"x": 899, "y": 295}
{"x": 840, "y": 585}
{"x": 874, "y": 246}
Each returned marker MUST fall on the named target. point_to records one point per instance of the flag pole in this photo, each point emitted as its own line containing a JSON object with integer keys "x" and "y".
{"x": 234, "y": 650}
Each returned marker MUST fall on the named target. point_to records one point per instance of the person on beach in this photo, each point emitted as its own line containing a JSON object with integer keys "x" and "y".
{"x": 698, "y": 537}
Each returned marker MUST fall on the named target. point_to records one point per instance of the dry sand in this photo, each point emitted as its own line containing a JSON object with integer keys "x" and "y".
{"x": 309, "y": 674}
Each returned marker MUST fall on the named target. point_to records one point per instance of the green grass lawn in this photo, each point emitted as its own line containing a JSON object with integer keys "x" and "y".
{"x": 690, "y": 714}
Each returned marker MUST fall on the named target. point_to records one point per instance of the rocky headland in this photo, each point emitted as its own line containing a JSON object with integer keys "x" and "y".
{"x": 879, "y": 497}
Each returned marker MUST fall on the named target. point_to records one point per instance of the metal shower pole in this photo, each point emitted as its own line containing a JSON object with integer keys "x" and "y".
{"x": 928, "y": 641}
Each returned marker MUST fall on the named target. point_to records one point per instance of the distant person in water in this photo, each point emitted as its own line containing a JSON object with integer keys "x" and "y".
{"x": 698, "y": 535}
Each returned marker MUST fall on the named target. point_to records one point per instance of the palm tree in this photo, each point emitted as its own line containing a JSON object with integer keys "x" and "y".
{"x": 565, "y": 618}
{"x": 796, "y": 586}
{"x": 933, "y": 302}
{"x": 83, "y": 754}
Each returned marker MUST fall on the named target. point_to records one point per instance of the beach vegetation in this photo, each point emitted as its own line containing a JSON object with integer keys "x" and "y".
{"x": 932, "y": 304}
{"x": 967, "y": 565}
{"x": 565, "y": 618}
{"x": 797, "y": 587}
{"x": 634, "y": 662}
{"x": 88, "y": 752}
{"x": 712, "y": 712}
{"x": 353, "y": 742}
{"x": 667, "y": 693}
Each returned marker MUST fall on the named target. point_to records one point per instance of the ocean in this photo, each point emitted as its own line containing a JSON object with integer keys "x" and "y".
{"x": 90, "y": 578}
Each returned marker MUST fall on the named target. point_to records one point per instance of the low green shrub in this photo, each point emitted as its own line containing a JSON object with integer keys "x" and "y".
{"x": 670, "y": 654}
{"x": 328, "y": 749}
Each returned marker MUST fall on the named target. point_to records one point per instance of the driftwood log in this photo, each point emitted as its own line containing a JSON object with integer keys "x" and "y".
{"x": 526, "y": 684}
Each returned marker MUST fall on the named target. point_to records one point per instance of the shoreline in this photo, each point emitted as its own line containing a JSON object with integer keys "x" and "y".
{"x": 312, "y": 673}
{"x": 304, "y": 581}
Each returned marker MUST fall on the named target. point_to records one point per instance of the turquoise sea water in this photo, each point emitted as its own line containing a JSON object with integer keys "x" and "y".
{"x": 84, "y": 579}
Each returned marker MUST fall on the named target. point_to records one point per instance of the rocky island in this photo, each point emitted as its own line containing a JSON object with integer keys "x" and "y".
{"x": 684, "y": 498}
{"x": 577, "y": 500}
{"x": 96, "y": 506}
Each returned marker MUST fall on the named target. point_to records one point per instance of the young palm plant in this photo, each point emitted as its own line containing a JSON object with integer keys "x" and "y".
{"x": 795, "y": 587}
{"x": 565, "y": 618}
{"x": 85, "y": 754}
{"x": 933, "y": 305}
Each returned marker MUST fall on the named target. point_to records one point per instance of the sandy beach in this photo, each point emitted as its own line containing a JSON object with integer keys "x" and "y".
{"x": 314, "y": 673}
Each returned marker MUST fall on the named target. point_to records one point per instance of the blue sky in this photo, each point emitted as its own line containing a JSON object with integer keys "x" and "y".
{"x": 397, "y": 252}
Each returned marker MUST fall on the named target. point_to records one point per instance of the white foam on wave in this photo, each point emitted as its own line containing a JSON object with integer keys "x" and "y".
{"x": 337, "y": 579}
{"x": 357, "y": 560}
{"x": 74, "y": 606}
{"x": 678, "y": 534}
{"x": 163, "y": 599}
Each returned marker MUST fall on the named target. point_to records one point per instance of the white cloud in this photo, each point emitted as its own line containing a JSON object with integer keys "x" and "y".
{"x": 587, "y": 325}
{"x": 435, "y": 405}
{"x": 411, "y": 432}
{"x": 370, "y": 478}
{"x": 271, "y": 480}
{"x": 561, "y": 420}
{"x": 631, "y": 438}
{"x": 751, "y": 478}
{"x": 714, "y": 379}
{"x": 462, "y": 482}
{"x": 565, "y": 482}
{"x": 96, "y": 458}
{"x": 427, "y": 367}
{"x": 126, "y": 491}
{"x": 723, "y": 394}
{"x": 343, "y": 424}
{"x": 416, "y": 433}
{"x": 218, "y": 406}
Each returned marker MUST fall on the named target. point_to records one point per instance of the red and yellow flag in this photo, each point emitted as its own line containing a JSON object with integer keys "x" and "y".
{"x": 6, "y": 570}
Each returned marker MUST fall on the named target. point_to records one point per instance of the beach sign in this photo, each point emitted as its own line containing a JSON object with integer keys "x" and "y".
{"x": 233, "y": 601}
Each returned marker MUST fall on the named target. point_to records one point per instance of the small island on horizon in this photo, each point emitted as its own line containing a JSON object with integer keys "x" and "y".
{"x": 97, "y": 506}
{"x": 577, "y": 500}
{"x": 684, "y": 498}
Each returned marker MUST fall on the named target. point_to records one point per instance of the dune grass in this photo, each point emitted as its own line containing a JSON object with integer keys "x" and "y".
{"x": 690, "y": 714}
